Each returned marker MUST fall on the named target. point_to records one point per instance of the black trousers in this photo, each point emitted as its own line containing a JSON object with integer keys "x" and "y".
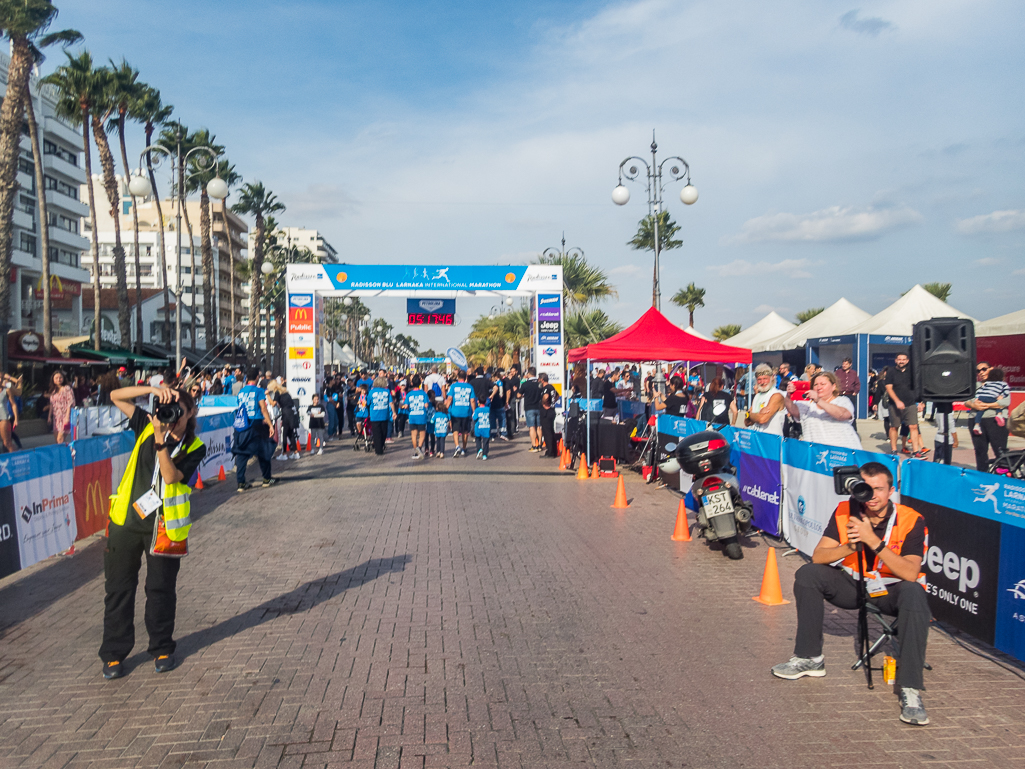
{"x": 289, "y": 436}
{"x": 121, "y": 563}
{"x": 380, "y": 432}
{"x": 510, "y": 422}
{"x": 351, "y": 414}
{"x": 907, "y": 600}
{"x": 992, "y": 435}
{"x": 548, "y": 432}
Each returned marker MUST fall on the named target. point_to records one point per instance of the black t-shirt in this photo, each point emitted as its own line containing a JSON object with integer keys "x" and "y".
{"x": 608, "y": 395}
{"x": 481, "y": 389}
{"x": 548, "y": 396}
{"x": 676, "y": 405}
{"x": 512, "y": 388}
{"x": 717, "y": 407}
{"x": 143, "y": 481}
{"x": 901, "y": 381}
{"x": 531, "y": 391}
{"x": 317, "y": 416}
{"x": 497, "y": 395}
{"x": 914, "y": 543}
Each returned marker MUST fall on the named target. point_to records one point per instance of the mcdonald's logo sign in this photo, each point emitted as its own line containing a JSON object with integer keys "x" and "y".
{"x": 58, "y": 289}
{"x": 300, "y": 320}
{"x": 92, "y": 496}
{"x": 97, "y": 503}
{"x": 300, "y": 353}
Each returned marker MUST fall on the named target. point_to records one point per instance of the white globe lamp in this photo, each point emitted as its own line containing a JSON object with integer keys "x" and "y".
{"x": 620, "y": 195}
{"x": 217, "y": 188}
{"x": 689, "y": 195}
{"x": 140, "y": 187}
{"x": 266, "y": 268}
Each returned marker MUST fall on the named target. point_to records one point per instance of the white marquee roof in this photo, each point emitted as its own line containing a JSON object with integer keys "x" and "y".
{"x": 769, "y": 327}
{"x": 899, "y": 318}
{"x": 1012, "y": 323}
{"x": 835, "y": 319}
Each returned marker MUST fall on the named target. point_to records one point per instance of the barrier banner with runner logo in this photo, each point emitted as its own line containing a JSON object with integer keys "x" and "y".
{"x": 40, "y": 483}
{"x": 1009, "y": 635}
{"x": 217, "y": 433}
{"x": 757, "y": 459}
{"x": 808, "y": 497}
{"x": 968, "y": 514}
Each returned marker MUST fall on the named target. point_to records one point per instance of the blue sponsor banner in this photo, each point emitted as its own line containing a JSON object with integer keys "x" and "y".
{"x": 587, "y": 404}
{"x": 221, "y": 401}
{"x": 214, "y": 421}
{"x": 1010, "y": 609}
{"x": 99, "y": 447}
{"x": 757, "y": 458}
{"x": 300, "y": 300}
{"x": 987, "y": 496}
{"x": 392, "y": 277}
{"x": 430, "y": 306}
{"x": 681, "y": 427}
{"x": 549, "y": 338}
{"x": 34, "y": 463}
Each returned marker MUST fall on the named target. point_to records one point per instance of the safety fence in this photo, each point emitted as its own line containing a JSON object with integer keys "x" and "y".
{"x": 54, "y": 495}
{"x": 975, "y": 561}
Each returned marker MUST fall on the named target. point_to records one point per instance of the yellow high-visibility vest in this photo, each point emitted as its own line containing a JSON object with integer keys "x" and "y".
{"x": 175, "y": 496}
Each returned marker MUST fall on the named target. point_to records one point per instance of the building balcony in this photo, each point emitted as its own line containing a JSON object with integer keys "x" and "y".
{"x": 69, "y": 205}
{"x": 70, "y": 240}
{"x": 27, "y": 182}
{"x": 24, "y": 220}
{"x": 67, "y": 272}
{"x": 25, "y": 260}
{"x": 62, "y": 131}
{"x": 70, "y": 171}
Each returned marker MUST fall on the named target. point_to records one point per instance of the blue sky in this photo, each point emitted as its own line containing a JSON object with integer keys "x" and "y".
{"x": 840, "y": 149}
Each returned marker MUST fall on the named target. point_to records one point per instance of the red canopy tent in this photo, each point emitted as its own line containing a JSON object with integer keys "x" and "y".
{"x": 654, "y": 338}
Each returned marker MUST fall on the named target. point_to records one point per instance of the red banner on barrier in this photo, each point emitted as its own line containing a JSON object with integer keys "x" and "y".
{"x": 92, "y": 496}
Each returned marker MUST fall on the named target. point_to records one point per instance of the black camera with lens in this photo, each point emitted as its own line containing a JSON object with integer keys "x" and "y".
{"x": 847, "y": 480}
{"x": 170, "y": 413}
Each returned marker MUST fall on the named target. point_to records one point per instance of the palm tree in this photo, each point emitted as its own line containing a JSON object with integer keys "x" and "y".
{"x": 202, "y": 171}
{"x": 691, "y": 297}
{"x": 65, "y": 38}
{"x": 104, "y": 98}
{"x": 940, "y": 290}
{"x": 24, "y": 24}
{"x": 589, "y": 326}
{"x": 724, "y": 332}
{"x": 226, "y": 171}
{"x": 582, "y": 282}
{"x": 259, "y": 202}
{"x": 74, "y": 83}
{"x": 149, "y": 110}
{"x": 805, "y": 315}
{"x": 644, "y": 240}
{"x": 125, "y": 89}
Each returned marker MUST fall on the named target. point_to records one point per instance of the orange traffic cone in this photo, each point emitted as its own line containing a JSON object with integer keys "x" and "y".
{"x": 772, "y": 591}
{"x": 620, "y": 502}
{"x": 220, "y": 474}
{"x": 582, "y": 469}
{"x": 562, "y": 461}
{"x": 594, "y": 471}
{"x": 682, "y": 531}
{"x": 309, "y": 441}
{"x": 199, "y": 483}
{"x": 562, "y": 446}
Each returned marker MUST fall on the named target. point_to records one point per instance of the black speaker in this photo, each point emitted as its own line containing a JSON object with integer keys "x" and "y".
{"x": 943, "y": 359}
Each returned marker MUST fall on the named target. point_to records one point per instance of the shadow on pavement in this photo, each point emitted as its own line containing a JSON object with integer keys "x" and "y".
{"x": 303, "y": 598}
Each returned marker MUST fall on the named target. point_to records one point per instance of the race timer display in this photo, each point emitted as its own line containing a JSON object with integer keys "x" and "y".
{"x": 431, "y": 319}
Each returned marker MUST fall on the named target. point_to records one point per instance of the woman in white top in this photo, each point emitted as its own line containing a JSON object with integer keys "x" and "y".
{"x": 826, "y": 417}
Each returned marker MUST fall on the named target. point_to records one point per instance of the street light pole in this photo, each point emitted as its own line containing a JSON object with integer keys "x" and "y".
{"x": 655, "y": 187}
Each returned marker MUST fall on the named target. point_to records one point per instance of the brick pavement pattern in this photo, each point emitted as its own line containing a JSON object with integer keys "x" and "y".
{"x": 391, "y": 613}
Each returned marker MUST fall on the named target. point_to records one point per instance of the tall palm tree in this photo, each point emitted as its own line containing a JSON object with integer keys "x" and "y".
{"x": 582, "y": 282}
{"x": 151, "y": 112}
{"x": 65, "y": 38}
{"x": 74, "y": 83}
{"x": 125, "y": 89}
{"x": 724, "y": 332}
{"x": 226, "y": 171}
{"x": 691, "y": 297}
{"x": 24, "y": 24}
{"x": 202, "y": 171}
{"x": 104, "y": 98}
{"x": 644, "y": 240}
{"x": 589, "y": 326}
{"x": 258, "y": 202}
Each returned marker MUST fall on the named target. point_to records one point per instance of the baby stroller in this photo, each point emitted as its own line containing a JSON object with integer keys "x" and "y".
{"x": 363, "y": 440}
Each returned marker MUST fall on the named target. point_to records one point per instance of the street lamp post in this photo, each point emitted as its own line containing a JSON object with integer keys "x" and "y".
{"x": 562, "y": 253}
{"x": 655, "y": 187}
{"x": 216, "y": 188}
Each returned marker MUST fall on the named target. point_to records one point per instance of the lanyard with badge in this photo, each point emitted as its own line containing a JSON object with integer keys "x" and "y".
{"x": 151, "y": 501}
{"x": 874, "y": 584}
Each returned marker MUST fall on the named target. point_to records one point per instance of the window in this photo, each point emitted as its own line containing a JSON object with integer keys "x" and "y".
{"x": 60, "y": 187}
{"x": 126, "y": 207}
{"x": 63, "y": 256}
{"x": 26, "y": 204}
{"x": 26, "y": 166}
{"x": 68, "y": 156}
{"x": 28, "y": 243}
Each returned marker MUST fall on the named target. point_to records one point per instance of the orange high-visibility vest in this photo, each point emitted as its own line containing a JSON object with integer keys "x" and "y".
{"x": 904, "y": 521}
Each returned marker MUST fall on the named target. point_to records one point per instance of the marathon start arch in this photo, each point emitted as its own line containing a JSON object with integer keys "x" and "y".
{"x": 308, "y": 285}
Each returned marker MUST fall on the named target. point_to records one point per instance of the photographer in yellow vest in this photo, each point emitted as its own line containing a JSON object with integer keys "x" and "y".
{"x": 166, "y": 455}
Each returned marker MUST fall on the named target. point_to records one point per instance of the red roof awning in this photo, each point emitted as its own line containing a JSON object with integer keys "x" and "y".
{"x": 654, "y": 338}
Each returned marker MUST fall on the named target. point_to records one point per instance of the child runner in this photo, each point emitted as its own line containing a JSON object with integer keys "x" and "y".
{"x": 461, "y": 402}
{"x": 942, "y": 450}
{"x": 416, "y": 405}
{"x": 318, "y": 423}
{"x": 442, "y": 423}
{"x": 482, "y": 430}
{"x": 430, "y": 442}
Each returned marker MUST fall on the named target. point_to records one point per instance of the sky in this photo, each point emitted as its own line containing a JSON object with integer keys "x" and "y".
{"x": 839, "y": 149}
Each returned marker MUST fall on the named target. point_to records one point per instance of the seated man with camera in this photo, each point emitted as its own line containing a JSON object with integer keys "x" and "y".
{"x": 892, "y": 540}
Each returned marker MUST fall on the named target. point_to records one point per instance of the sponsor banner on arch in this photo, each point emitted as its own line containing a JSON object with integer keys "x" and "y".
{"x": 808, "y": 497}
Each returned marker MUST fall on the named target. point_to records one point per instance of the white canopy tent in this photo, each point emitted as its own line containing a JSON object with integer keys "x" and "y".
{"x": 900, "y": 317}
{"x": 1001, "y": 342}
{"x": 1004, "y": 325}
{"x": 769, "y": 327}
{"x": 838, "y": 318}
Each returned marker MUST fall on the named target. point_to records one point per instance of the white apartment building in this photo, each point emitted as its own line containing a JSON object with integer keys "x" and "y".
{"x": 63, "y": 173}
{"x": 300, "y": 237}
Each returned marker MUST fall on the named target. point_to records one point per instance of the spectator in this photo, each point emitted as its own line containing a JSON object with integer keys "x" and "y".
{"x": 435, "y": 382}
{"x": 767, "y": 412}
{"x": 990, "y": 406}
{"x": 675, "y": 404}
{"x": 8, "y": 413}
{"x": 850, "y": 385}
{"x": 903, "y": 407}
{"x": 549, "y": 395}
{"x": 784, "y": 377}
{"x": 873, "y": 400}
{"x": 826, "y": 416}
{"x": 530, "y": 390}
{"x": 252, "y": 433}
{"x": 717, "y": 405}
{"x": 62, "y": 400}
{"x": 497, "y": 405}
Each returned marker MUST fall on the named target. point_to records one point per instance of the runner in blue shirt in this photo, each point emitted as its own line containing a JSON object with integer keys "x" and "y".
{"x": 461, "y": 402}
{"x": 382, "y": 411}
{"x": 441, "y": 424}
{"x": 482, "y": 430}
{"x": 253, "y": 438}
{"x": 416, "y": 402}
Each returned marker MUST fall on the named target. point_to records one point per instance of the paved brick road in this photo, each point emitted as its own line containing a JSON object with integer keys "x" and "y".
{"x": 391, "y": 613}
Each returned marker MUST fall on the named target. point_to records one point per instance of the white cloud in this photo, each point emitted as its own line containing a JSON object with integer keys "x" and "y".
{"x": 837, "y": 223}
{"x": 793, "y": 268}
{"x": 987, "y": 261}
{"x": 871, "y": 26}
{"x": 998, "y": 221}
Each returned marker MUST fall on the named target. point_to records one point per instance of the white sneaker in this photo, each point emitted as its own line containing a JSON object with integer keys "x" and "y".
{"x": 282, "y": 457}
{"x": 480, "y": 453}
{"x": 320, "y": 451}
{"x": 295, "y": 455}
{"x": 440, "y": 455}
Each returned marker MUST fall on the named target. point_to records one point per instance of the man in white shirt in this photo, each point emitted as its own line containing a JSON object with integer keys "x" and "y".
{"x": 434, "y": 378}
{"x": 767, "y": 406}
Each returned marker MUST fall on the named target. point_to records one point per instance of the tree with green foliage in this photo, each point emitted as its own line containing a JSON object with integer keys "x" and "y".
{"x": 940, "y": 290}
{"x": 582, "y": 282}
{"x": 805, "y": 315}
{"x": 724, "y": 332}
{"x": 690, "y": 297}
{"x": 644, "y": 240}
{"x": 258, "y": 202}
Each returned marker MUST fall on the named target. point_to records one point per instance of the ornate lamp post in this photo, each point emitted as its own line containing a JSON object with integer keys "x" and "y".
{"x": 563, "y": 253}
{"x": 216, "y": 188}
{"x": 655, "y": 188}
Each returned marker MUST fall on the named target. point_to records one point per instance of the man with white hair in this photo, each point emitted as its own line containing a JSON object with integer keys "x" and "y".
{"x": 767, "y": 406}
